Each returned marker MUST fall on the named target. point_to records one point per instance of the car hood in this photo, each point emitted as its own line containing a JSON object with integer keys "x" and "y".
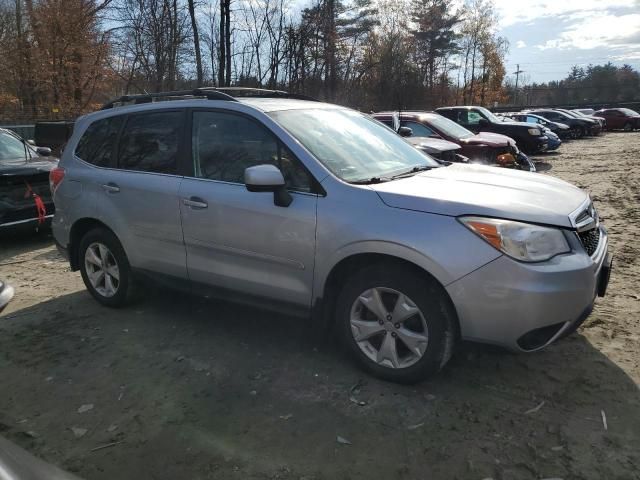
{"x": 480, "y": 190}
{"x": 433, "y": 144}
{"x": 490, "y": 139}
{"x": 33, "y": 166}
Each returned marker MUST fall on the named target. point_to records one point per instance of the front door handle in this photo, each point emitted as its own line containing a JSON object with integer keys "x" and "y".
{"x": 111, "y": 187}
{"x": 195, "y": 202}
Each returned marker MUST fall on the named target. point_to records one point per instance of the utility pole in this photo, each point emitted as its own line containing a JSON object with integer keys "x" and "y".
{"x": 517, "y": 74}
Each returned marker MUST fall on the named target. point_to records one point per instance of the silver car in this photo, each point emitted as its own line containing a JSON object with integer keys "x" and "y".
{"x": 320, "y": 211}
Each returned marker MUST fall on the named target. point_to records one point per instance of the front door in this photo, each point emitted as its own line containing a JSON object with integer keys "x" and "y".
{"x": 236, "y": 239}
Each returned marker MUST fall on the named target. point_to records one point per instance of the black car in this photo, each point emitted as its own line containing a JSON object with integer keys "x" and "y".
{"x": 25, "y": 196}
{"x": 478, "y": 119}
{"x": 561, "y": 129}
{"x": 580, "y": 126}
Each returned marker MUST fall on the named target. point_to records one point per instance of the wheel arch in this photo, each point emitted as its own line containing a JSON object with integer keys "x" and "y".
{"x": 77, "y": 231}
{"x": 325, "y": 303}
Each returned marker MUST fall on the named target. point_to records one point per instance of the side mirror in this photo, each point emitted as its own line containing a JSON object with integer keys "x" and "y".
{"x": 31, "y": 142}
{"x": 405, "y": 132}
{"x": 483, "y": 122}
{"x": 43, "y": 151}
{"x": 268, "y": 178}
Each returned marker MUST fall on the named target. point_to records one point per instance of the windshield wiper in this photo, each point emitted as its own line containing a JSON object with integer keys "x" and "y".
{"x": 370, "y": 181}
{"x": 413, "y": 171}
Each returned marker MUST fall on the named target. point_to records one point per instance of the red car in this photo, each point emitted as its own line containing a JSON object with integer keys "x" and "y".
{"x": 620, "y": 118}
{"x": 487, "y": 148}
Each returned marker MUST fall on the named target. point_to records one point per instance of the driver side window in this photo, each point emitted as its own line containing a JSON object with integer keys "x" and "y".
{"x": 473, "y": 118}
{"x": 225, "y": 144}
{"x": 419, "y": 130}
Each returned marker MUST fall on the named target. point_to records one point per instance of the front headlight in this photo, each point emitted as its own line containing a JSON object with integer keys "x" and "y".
{"x": 534, "y": 131}
{"x": 522, "y": 241}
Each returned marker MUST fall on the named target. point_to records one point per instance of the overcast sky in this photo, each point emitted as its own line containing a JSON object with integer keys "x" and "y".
{"x": 547, "y": 37}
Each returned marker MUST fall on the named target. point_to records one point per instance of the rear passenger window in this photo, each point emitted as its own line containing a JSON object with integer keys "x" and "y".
{"x": 97, "y": 142}
{"x": 225, "y": 144}
{"x": 149, "y": 142}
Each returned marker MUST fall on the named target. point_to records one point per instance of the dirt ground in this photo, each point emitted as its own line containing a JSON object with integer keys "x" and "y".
{"x": 190, "y": 389}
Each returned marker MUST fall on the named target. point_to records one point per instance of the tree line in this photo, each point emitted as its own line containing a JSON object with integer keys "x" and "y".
{"x": 65, "y": 57}
{"x": 594, "y": 84}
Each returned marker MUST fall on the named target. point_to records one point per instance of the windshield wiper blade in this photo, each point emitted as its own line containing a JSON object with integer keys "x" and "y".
{"x": 413, "y": 171}
{"x": 370, "y": 181}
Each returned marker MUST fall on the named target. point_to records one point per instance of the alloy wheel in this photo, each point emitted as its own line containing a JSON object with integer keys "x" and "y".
{"x": 102, "y": 269}
{"x": 389, "y": 328}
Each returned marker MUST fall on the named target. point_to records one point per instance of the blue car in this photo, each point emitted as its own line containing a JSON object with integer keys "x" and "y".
{"x": 554, "y": 140}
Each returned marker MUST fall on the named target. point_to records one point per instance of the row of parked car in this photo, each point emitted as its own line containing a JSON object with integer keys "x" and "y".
{"x": 471, "y": 134}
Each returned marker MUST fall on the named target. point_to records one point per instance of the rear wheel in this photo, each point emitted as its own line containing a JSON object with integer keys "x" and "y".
{"x": 397, "y": 324}
{"x": 104, "y": 267}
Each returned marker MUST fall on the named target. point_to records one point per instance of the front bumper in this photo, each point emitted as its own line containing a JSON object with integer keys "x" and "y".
{"x": 527, "y": 306}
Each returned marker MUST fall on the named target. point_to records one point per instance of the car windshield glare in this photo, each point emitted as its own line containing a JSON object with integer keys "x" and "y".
{"x": 11, "y": 148}
{"x": 449, "y": 127}
{"x": 629, "y": 112}
{"x": 490, "y": 116}
{"x": 351, "y": 145}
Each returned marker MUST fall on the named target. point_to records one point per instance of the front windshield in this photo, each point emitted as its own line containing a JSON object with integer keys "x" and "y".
{"x": 572, "y": 114}
{"x": 488, "y": 115}
{"x": 449, "y": 127}
{"x": 628, "y": 111}
{"x": 12, "y": 148}
{"x": 351, "y": 145}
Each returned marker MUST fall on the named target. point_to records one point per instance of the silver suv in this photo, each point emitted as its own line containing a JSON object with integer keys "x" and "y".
{"x": 321, "y": 211}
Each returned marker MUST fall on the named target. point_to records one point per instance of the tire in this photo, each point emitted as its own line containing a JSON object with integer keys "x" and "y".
{"x": 581, "y": 132}
{"x": 431, "y": 318}
{"x": 628, "y": 127}
{"x": 113, "y": 290}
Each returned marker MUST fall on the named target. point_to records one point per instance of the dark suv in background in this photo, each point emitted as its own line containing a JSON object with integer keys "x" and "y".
{"x": 529, "y": 139}
{"x": 560, "y": 129}
{"x": 581, "y": 126}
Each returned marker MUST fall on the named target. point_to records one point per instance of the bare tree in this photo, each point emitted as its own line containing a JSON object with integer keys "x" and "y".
{"x": 196, "y": 42}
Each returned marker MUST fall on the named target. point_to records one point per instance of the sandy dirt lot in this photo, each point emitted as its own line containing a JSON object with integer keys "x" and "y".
{"x": 178, "y": 387}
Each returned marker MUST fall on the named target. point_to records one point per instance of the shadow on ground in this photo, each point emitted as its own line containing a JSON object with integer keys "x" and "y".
{"x": 187, "y": 388}
{"x": 14, "y": 243}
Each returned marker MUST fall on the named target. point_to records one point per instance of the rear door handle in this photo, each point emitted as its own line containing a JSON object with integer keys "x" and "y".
{"x": 195, "y": 202}
{"x": 111, "y": 187}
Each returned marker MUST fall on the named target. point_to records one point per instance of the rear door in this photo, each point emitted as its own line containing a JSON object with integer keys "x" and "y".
{"x": 236, "y": 239}
{"x": 139, "y": 196}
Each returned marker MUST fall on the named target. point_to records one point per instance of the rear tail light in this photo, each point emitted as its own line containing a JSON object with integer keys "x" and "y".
{"x": 55, "y": 178}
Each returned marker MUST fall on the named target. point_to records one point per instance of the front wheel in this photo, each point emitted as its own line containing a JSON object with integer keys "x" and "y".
{"x": 397, "y": 324}
{"x": 628, "y": 127}
{"x": 104, "y": 267}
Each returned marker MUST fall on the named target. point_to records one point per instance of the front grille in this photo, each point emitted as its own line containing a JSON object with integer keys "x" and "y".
{"x": 590, "y": 240}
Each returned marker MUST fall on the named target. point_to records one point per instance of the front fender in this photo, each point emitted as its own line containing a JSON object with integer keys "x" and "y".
{"x": 358, "y": 222}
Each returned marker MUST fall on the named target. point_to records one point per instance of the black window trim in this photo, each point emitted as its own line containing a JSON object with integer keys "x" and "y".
{"x": 316, "y": 188}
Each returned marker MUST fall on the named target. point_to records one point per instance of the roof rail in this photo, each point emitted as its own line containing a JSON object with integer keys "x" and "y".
{"x": 261, "y": 93}
{"x": 210, "y": 93}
